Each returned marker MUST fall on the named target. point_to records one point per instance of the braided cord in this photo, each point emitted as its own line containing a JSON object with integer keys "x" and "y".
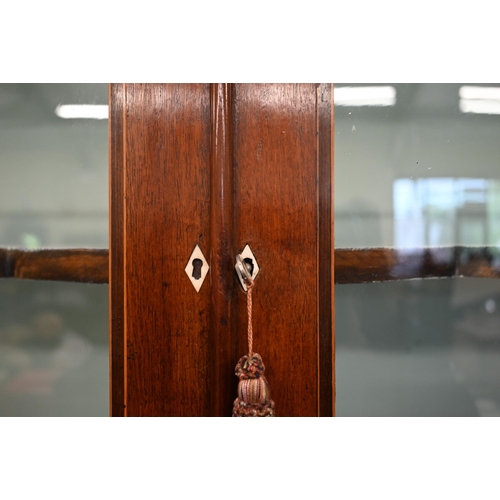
{"x": 249, "y": 286}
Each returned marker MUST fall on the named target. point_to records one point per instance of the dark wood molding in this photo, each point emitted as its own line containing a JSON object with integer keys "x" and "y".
{"x": 75, "y": 264}
{"x": 370, "y": 265}
{"x": 116, "y": 239}
{"x": 223, "y": 382}
{"x": 326, "y": 258}
{"x": 477, "y": 262}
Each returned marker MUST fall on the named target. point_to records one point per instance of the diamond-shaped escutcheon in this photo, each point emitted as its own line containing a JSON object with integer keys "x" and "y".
{"x": 197, "y": 268}
{"x": 248, "y": 259}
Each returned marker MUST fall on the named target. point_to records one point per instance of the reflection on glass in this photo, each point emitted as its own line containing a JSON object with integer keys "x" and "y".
{"x": 442, "y": 212}
{"x": 83, "y": 111}
{"x": 53, "y": 194}
{"x": 54, "y": 171}
{"x": 478, "y": 99}
{"x": 425, "y": 140}
{"x": 365, "y": 96}
{"x": 53, "y": 349}
{"x": 418, "y": 348}
{"x": 424, "y": 172}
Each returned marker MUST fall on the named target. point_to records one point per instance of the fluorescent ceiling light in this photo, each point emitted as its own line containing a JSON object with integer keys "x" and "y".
{"x": 469, "y": 92}
{"x": 481, "y": 100}
{"x": 86, "y": 111}
{"x": 364, "y": 96}
{"x": 481, "y": 106}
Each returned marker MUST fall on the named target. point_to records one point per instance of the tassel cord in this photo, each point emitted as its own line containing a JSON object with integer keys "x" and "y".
{"x": 250, "y": 285}
{"x": 254, "y": 397}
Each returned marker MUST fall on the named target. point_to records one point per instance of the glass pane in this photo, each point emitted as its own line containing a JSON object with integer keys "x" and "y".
{"x": 53, "y": 194}
{"x": 53, "y": 166}
{"x": 418, "y": 165}
{"x": 53, "y": 349}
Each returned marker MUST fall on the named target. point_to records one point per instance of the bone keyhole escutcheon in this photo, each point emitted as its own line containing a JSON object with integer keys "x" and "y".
{"x": 246, "y": 265}
{"x": 197, "y": 268}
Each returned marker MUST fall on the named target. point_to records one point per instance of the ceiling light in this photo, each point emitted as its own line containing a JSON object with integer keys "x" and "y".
{"x": 85, "y": 111}
{"x": 364, "y": 96}
{"x": 480, "y": 106}
{"x": 481, "y": 100}
{"x": 469, "y": 92}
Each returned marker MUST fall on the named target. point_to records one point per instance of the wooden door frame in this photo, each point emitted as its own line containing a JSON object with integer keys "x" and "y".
{"x": 138, "y": 122}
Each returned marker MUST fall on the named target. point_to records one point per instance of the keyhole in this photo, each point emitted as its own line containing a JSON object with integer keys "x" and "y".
{"x": 249, "y": 265}
{"x": 197, "y": 265}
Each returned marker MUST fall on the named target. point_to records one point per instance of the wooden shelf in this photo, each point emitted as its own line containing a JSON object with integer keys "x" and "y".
{"x": 355, "y": 265}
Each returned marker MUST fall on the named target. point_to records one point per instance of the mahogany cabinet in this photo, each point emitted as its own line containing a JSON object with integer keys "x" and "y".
{"x": 220, "y": 166}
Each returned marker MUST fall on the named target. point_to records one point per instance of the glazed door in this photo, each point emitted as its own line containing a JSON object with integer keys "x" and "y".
{"x": 220, "y": 166}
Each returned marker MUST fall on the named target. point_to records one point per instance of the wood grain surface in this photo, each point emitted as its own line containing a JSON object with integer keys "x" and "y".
{"x": 75, "y": 264}
{"x": 116, "y": 250}
{"x": 167, "y": 212}
{"x": 276, "y": 213}
{"x": 223, "y": 383}
{"x": 220, "y": 166}
{"x": 369, "y": 265}
{"x": 326, "y": 257}
{"x": 387, "y": 264}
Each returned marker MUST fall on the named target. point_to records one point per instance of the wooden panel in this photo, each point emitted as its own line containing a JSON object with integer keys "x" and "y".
{"x": 167, "y": 212}
{"x": 276, "y": 212}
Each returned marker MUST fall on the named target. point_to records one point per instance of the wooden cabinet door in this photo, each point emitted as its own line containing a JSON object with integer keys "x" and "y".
{"x": 220, "y": 166}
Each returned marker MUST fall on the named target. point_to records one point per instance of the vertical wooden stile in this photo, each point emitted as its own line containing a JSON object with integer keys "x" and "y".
{"x": 224, "y": 383}
{"x": 116, "y": 250}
